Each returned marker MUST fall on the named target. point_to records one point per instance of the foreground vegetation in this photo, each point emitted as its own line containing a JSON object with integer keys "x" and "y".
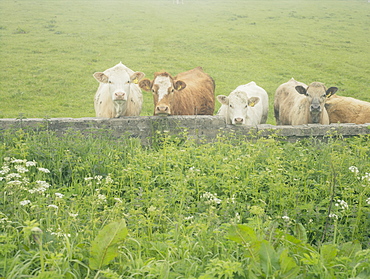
{"x": 82, "y": 207}
{"x": 50, "y": 49}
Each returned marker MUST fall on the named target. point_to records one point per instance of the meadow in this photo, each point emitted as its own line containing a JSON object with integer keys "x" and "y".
{"x": 50, "y": 49}
{"x": 83, "y": 207}
{"x": 77, "y": 206}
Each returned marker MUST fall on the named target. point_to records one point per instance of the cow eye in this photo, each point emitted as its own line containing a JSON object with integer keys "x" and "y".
{"x": 109, "y": 81}
{"x": 172, "y": 90}
{"x": 230, "y": 106}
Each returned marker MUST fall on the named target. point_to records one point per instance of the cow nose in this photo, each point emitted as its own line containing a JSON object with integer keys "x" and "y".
{"x": 238, "y": 120}
{"x": 119, "y": 95}
{"x": 315, "y": 107}
{"x": 163, "y": 109}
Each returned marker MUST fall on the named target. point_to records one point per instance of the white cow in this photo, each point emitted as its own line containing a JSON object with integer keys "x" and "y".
{"x": 118, "y": 93}
{"x": 246, "y": 105}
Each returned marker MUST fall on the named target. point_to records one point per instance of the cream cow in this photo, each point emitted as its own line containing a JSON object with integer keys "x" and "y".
{"x": 296, "y": 103}
{"x": 347, "y": 110}
{"x": 118, "y": 93}
{"x": 246, "y": 105}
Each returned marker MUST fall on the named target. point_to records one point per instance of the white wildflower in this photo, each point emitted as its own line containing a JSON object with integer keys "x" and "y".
{"x": 342, "y": 204}
{"x": 59, "y": 195}
{"x": 88, "y": 178}
{"x": 20, "y": 169}
{"x": 98, "y": 179}
{"x": 285, "y": 218}
{"x": 118, "y": 200}
{"x": 353, "y": 169}
{"x": 53, "y": 206}
{"x": 332, "y": 215}
{"x": 368, "y": 200}
{"x": 102, "y": 198}
{"x": 211, "y": 198}
{"x": 30, "y": 164}
{"x": 14, "y": 182}
{"x": 366, "y": 176}
{"x": 109, "y": 180}
{"x": 17, "y": 161}
{"x": 13, "y": 175}
{"x": 43, "y": 170}
{"x": 73, "y": 215}
{"x": 25, "y": 202}
{"x": 237, "y": 217}
{"x": 5, "y": 170}
{"x": 189, "y": 218}
{"x": 6, "y": 159}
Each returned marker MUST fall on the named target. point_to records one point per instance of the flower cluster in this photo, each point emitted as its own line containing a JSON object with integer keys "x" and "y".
{"x": 342, "y": 204}
{"x": 211, "y": 198}
{"x": 355, "y": 170}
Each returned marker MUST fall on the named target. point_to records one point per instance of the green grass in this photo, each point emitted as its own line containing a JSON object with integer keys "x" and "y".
{"x": 233, "y": 208}
{"x": 50, "y": 49}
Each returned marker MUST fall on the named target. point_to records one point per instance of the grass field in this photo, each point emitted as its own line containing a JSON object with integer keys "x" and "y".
{"x": 50, "y": 49}
{"x": 76, "y": 207}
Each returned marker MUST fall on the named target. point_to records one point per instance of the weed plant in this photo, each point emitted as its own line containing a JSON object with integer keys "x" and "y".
{"x": 50, "y": 49}
{"x": 233, "y": 208}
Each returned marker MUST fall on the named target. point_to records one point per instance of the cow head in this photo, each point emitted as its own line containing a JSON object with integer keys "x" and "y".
{"x": 163, "y": 87}
{"x": 238, "y": 105}
{"x": 119, "y": 81}
{"x": 316, "y": 94}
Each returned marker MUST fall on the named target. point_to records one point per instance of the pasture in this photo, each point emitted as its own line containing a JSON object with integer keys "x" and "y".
{"x": 50, "y": 49}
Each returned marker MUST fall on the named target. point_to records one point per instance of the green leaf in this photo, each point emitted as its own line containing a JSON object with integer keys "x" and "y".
{"x": 349, "y": 249}
{"x": 288, "y": 267}
{"x": 104, "y": 248}
{"x": 328, "y": 252}
{"x": 268, "y": 257}
{"x": 247, "y": 237}
{"x": 300, "y": 232}
{"x": 242, "y": 234}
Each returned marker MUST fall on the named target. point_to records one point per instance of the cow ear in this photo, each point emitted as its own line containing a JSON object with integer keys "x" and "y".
{"x": 224, "y": 100}
{"x": 136, "y": 77}
{"x": 145, "y": 84}
{"x": 253, "y": 101}
{"x": 331, "y": 91}
{"x": 101, "y": 77}
{"x": 301, "y": 90}
{"x": 179, "y": 85}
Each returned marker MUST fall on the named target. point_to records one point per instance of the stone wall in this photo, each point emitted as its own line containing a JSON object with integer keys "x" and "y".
{"x": 202, "y": 128}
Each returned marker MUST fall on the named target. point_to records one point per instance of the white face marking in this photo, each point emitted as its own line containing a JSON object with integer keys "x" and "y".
{"x": 119, "y": 84}
{"x": 163, "y": 83}
{"x": 238, "y": 107}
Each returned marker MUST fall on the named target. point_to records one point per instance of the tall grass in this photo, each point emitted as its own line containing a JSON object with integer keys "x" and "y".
{"x": 50, "y": 49}
{"x": 234, "y": 208}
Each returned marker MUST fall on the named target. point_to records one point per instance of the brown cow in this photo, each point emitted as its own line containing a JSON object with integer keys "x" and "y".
{"x": 296, "y": 103}
{"x": 188, "y": 93}
{"x": 347, "y": 110}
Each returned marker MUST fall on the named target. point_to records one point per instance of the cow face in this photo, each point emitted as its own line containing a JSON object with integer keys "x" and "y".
{"x": 164, "y": 88}
{"x": 316, "y": 94}
{"x": 119, "y": 82}
{"x": 238, "y": 105}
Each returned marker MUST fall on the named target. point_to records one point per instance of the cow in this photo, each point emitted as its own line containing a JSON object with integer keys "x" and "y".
{"x": 246, "y": 105}
{"x": 347, "y": 110}
{"x": 118, "y": 93}
{"x": 296, "y": 103}
{"x": 188, "y": 93}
